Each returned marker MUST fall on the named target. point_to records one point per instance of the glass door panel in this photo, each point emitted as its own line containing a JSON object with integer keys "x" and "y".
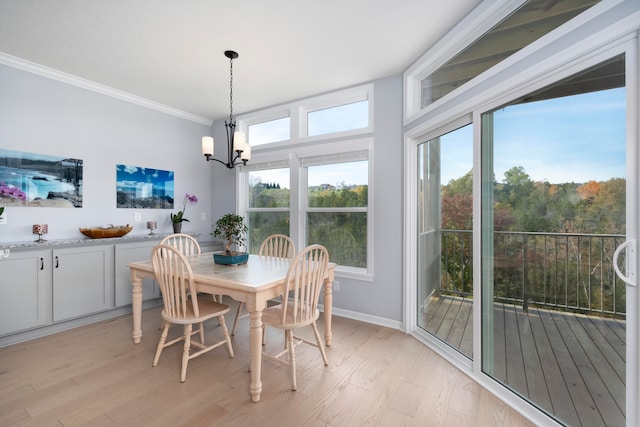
{"x": 445, "y": 204}
{"x": 553, "y": 213}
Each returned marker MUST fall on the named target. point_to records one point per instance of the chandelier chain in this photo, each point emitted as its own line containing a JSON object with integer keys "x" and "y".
{"x": 231, "y": 90}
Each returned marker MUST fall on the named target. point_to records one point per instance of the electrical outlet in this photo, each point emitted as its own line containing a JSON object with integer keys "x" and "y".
{"x": 336, "y": 285}
{"x": 203, "y": 216}
{"x": 137, "y": 217}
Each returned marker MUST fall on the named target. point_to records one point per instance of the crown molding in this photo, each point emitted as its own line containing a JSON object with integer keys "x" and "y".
{"x": 50, "y": 73}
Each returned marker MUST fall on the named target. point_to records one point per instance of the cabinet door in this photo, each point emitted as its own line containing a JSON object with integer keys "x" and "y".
{"x": 25, "y": 289}
{"x": 82, "y": 281}
{"x": 126, "y": 253}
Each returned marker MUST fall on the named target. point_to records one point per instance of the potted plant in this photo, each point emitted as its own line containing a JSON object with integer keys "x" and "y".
{"x": 231, "y": 228}
{"x": 178, "y": 218}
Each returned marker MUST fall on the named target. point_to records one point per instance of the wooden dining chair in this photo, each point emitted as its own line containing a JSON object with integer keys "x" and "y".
{"x": 182, "y": 306}
{"x": 304, "y": 281}
{"x": 186, "y": 244}
{"x": 274, "y": 246}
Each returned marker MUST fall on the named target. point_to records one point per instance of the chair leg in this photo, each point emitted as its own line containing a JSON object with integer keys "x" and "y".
{"x": 202, "y": 333}
{"x": 163, "y": 339}
{"x": 319, "y": 341}
{"x": 292, "y": 358}
{"x": 235, "y": 320}
{"x": 225, "y": 332}
{"x": 185, "y": 352}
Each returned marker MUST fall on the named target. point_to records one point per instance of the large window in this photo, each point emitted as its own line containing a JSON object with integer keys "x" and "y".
{"x": 309, "y": 176}
{"x": 337, "y": 208}
{"x": 331, "y": 194}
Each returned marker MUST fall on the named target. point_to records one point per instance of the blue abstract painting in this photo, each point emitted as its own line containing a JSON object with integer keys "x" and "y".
{"x": 144, "y": 188}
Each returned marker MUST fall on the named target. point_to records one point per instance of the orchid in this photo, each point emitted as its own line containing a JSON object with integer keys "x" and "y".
{"x": 179, "y": 217}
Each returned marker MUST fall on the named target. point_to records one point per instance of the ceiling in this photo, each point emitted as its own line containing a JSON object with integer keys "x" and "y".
{"x": 172, "y": 52}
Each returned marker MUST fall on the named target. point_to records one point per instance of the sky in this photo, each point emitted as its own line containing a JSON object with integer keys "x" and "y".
{"x": 570, "y": 139}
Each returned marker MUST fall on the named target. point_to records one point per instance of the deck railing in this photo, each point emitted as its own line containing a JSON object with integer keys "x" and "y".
{"x": 564, "y": 271}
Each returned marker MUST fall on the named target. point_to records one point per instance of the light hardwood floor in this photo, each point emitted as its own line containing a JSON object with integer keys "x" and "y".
{"x": 96, "y": 376}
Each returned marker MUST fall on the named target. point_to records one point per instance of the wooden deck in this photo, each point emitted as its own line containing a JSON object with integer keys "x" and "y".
{"x": 570, "y": 365}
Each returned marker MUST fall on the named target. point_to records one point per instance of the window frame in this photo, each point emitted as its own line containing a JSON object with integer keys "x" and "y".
{"x": 297, "y": 113}
{"x": 299, "y": 146}
{"x": 298, "y": 191}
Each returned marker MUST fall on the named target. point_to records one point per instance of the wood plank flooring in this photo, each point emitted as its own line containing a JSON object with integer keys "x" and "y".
{"x": 571, "y": 365}
{"x": 96, "y": 376}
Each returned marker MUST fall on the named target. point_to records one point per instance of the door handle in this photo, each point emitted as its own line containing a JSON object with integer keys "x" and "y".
{"x": 631, "y": 278}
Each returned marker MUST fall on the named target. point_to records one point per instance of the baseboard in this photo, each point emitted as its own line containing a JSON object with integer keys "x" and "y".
{"x": 366, "y": 318}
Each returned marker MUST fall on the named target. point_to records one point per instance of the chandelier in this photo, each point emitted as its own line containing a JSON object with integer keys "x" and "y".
{"x": 238, "y": 150}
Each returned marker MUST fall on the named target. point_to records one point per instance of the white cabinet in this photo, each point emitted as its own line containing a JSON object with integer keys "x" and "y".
{"x": 126, "y": 253}
{"x": 83, "y": 280}
{"x": 25, "y": 291}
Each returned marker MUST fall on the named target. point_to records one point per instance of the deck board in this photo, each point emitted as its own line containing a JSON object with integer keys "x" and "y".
{"x": 570, "y": 365}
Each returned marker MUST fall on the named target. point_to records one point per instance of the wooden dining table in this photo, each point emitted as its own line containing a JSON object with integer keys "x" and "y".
{"x": 253, "y": 283}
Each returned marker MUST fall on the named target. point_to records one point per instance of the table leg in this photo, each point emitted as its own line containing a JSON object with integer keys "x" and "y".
{"x": 255, "y": 343}
{"x": 136, "y": 302}
{"x": 328, "y": 303}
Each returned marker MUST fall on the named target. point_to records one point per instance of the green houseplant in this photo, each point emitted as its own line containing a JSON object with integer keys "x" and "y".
{"x": 233, "y": 230}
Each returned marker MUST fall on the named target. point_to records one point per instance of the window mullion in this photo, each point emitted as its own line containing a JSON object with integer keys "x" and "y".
{"x": 297, "y": 202}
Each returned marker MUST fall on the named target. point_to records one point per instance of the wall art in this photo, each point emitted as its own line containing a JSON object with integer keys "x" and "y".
{"x": 39, "y": 180}
{"x": 143, "y": 188}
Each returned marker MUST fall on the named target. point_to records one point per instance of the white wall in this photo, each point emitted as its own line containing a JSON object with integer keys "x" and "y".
{"x": 45, "y": 116}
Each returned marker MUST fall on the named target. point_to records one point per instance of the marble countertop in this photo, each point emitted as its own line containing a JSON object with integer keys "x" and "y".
{"x": 85, "y": 241}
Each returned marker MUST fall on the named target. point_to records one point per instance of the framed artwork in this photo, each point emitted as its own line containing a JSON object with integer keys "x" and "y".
{"x": 39, "y": 180}
{"x": 143, "y": 188}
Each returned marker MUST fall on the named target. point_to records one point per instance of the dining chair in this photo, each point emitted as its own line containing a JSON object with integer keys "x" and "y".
{"x": 303, "y": 283}
{"x": 186, "y": 244}
{"x": 182, "y": 306}
{"x": 274, "y": 246}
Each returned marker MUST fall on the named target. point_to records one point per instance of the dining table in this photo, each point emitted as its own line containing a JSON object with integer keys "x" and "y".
{"x": 254, "y": 283}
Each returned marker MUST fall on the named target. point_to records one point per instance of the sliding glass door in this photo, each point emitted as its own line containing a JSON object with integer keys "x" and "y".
{"x": 445, "y": 220}
{"x": 554, "y": 209}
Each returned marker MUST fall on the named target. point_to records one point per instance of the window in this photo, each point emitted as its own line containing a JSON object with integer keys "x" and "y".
{"x": 309, "y": 176}
{"x": 268, "y": 203}
{"x": 337, "y": 119}
{"x": 269, "y": 131}
{"x": 532, "y": 21}
{"x": 337, "y": 203}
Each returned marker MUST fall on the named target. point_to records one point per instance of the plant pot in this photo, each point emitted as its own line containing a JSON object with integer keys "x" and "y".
{"x": 236, "y": 258}
{"x": 177, "y": 227}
